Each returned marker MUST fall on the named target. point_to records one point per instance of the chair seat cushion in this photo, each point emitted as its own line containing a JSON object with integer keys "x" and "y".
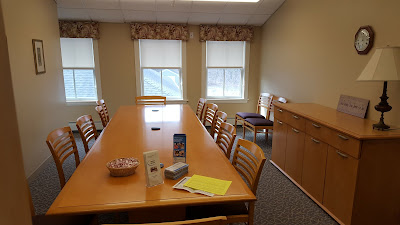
{"x": 203, "y": 211}
{"x": 246, "y": 115}
{"x": 259, "y": 122}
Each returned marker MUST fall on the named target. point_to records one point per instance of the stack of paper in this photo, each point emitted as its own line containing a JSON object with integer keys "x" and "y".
{"x": 180, "y": 185}
{"x": 208, "y": 184}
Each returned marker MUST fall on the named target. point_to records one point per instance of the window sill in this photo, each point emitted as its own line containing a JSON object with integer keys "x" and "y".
{"x": 80, "y": 103}
{"x": 227, "y": 100}
{"x": 184, "y": 101}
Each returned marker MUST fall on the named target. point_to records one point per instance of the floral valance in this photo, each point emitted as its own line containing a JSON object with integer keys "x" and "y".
{"x": 75, "y": 29}
{"x": 226, "y": 33}
{"x": 159, "y": 31}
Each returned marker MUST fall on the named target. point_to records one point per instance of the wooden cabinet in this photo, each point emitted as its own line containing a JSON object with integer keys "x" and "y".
{"x": 346, "y": 167}
{"x": 279, "y": 154}
{"x": 294, "y": 153}
{"x": 314, "y": 164}
{"x": 340, "y": 184}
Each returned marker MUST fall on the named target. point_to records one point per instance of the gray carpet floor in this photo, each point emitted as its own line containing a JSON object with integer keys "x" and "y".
{"x": 279, "y": 201}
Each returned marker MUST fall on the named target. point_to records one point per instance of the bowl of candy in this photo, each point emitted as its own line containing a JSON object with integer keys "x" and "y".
{"x": 122, "y": 167}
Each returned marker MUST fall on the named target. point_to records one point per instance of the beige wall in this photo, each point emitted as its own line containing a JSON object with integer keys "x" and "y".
{"x": 14, "y": 207}
{"x": 307, "y": 52}
{"x": 117, "y": 64}
{"x": 39, "y": 99}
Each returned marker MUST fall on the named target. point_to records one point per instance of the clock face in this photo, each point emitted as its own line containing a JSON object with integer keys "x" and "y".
{"x": 364, "y": 40}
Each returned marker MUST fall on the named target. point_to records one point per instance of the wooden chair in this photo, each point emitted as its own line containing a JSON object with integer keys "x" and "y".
{"x": 210, "y": 113}
{"x": 263, "y": 103}
{"x": 249, "y": 161}
{"x": 87, "y": 130}
{"x": 151, "y": 100}
{"x": 200, "y": 108}
{"x": 220, "y": 117}
{"x": 102, "y": 115}
{"x": 218, "y": 220}
{"x": 62, "y": 144}
{"x": 226, "y": 138}
{"x": 262, "y": 125}
{"x": 102, "y": 103}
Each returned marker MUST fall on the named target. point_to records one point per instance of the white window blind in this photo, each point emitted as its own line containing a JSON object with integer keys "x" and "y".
{"x": 77, "y": 52}
{"x": 225, "y": 53}
{"x": 160, "y": 53}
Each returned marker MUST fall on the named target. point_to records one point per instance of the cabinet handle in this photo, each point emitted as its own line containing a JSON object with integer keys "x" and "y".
{"x": 315, "y": 140}
{"x": 316, "y": 125}
{"x": 343, "y": 137}
{"x": 342, "y": 154}
{"x": 296, "y": 131}
{"x": 280, "y": 122}
{"x": 296, "y": 117}
{"x": 279, "y": 110}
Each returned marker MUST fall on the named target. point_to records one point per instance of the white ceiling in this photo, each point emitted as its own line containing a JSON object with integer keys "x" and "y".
{"x": 168, "y": 11}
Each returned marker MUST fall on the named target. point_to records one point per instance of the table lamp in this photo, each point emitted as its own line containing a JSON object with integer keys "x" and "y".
{"x": 384, "y": 66}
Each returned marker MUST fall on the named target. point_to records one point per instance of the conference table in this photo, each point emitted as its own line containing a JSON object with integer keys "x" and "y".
{"x": 92, "y": 190}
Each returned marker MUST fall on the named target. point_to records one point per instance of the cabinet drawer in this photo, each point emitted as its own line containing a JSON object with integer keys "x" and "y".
{"x": 294, "y": 120}
{"x": 344, "y": 143}
{"x": 279, "y": 113}
{"x": 334, "y": 138}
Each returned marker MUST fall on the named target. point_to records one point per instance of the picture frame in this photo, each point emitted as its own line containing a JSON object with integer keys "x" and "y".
{"x": 38, "y": 55}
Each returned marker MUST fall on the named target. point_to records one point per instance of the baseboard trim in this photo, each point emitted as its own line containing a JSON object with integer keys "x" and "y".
{"x": 40, "y": 169}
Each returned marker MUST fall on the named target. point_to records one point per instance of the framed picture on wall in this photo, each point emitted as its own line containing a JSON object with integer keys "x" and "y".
{"x": 38, "y": 55}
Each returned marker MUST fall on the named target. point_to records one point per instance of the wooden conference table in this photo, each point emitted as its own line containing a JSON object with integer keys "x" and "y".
{"x": 92, "y": 190}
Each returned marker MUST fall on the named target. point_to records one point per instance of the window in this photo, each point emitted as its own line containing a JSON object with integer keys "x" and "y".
{"x": 79, "y": 69}
{"x": 225, "y": 70}
{"x": 161, "y": 68}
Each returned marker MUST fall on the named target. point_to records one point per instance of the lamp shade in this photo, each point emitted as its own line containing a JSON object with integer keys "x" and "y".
{"x": 384, "y": 65}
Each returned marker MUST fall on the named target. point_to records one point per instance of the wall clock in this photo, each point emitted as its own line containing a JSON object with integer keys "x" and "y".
{"x": 364, "y": 39}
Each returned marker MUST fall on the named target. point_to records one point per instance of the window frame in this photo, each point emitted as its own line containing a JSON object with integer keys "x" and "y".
{"x": 139, "y": 74}
{"x": 97, "y": 79}
{"x": 245, "y": 77}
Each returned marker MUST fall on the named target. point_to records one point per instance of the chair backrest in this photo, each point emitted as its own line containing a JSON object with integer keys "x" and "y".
{"x": 264, "y": 103}
{"x": 86, "y": 129}
{"x": 102, "y": 115}
{"x": 226, "y": 138}
{"x": 200, "y": 108}
{"x": 249, "y": 160}
{"x": 220, "y": 117}
{"x": 62, "y": 144}
{"x": 271, "y": 105}
{"x": 151, "y": 100}
{"x": 218, "y": 220}
{"x": 102, "y": 103}
{"x": 209, "y": 114}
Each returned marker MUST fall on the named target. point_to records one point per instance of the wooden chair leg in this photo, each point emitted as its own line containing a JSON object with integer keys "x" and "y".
{"x": 251, "y": 213}
{"x": 235, "y": 122}
{"x": 244, "y": 130}
{"x": 266, "y": 134}
{"x": 255, "y": 134}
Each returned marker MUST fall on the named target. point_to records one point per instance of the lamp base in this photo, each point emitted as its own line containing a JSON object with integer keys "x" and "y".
{"x": 380, "y": 126}
{"x": 382, "y": 107}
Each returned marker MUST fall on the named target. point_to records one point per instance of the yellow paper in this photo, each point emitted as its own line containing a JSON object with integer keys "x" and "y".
{"x": 212, "y": 185}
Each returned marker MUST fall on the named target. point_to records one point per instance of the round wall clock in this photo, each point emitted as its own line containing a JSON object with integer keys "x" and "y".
{"x": 364, "y": 39}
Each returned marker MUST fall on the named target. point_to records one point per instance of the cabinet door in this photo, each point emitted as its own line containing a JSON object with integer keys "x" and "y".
{"x": 314, "y": 164}
{"x": 340, "y": 183}
{"x": 294, "y": 153}
{"x": 279, "y": 143}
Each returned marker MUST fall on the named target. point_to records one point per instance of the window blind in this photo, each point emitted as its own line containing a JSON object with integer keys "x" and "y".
{"x": 225, "y": 53}
{"x": 77, "y": 52}
{"x": 160, "y": 53}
